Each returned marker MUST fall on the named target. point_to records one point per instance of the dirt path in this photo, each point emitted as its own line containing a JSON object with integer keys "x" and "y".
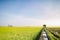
{"x": 43, "y": 35}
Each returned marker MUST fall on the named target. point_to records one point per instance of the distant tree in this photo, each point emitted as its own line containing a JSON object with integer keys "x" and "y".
{"x": 44, "y": 26}
{"x": 9, "y": 25}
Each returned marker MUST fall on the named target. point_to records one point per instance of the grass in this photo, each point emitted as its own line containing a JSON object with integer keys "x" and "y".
{"x": 19, "y": 33}
{"x": 55, "y": 31}
{"x": 51, "y": 36}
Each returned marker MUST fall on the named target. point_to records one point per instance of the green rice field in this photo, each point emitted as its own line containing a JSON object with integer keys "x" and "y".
{"x": 27, "y": 33}
{"x": 19, "y": 33}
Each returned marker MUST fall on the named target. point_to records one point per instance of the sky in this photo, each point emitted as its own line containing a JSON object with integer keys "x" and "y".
{"x": 29, "y": 12}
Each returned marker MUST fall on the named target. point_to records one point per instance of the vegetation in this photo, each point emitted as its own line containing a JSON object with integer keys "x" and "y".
{"x": 51, "y": 36}
{"x": 27, "y": 33}
{"x": 19, "y": 33}
{"x": 55, "y": 31}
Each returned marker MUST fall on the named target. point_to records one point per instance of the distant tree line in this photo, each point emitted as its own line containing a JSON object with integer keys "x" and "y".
{"x": 9, "y": 25}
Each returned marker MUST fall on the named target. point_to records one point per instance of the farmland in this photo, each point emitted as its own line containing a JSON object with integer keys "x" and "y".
{"x": 54, "y": 33}
{"x": 55, "y": 29}
{"x": 19, "y": 33}
{"x": 28, "y": 33}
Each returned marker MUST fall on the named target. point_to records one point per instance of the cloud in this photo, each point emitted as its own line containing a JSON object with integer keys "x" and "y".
{"x": 23, "y": 21}
{"x": 33, "y": 14}
{"x": 41, "y": 10}
{"x": 19, "y": 20}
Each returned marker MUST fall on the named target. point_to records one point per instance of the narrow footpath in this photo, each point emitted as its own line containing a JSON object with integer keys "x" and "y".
{"x": 43, "y": 36}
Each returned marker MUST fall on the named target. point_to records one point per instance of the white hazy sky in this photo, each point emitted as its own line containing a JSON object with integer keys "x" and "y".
{"x": 25, "y": 13}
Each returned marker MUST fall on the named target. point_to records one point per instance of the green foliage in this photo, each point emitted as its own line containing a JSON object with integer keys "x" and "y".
{"x": 18, "y": 33}
{"x": 51, "y": 36}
